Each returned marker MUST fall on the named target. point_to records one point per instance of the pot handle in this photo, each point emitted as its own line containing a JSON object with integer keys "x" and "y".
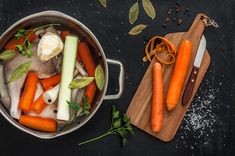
{"x": 121, "y": 80}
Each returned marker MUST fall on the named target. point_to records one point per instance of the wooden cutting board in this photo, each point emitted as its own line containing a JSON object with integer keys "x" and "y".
{"x": 140, "y": 107}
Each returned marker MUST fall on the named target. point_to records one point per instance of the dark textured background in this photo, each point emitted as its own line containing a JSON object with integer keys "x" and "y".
{"x": 110, "y": 26}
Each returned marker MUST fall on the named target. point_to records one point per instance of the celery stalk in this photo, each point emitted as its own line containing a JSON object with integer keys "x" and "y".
{"x": 68, "y": 65}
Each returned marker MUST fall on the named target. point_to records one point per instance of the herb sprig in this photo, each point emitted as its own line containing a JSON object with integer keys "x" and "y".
{"x": 120, "y": 126}
{"x": 83, "y": 109}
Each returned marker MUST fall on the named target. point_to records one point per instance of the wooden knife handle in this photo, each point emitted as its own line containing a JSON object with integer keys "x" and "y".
{"x": 190, "y": 85}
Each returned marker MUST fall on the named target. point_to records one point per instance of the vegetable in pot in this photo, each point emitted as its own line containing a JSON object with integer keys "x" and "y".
{"x": 68, "y": 65}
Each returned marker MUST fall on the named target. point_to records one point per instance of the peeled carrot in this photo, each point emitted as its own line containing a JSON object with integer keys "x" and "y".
{"x": 28, "y": 94}
{"x": 11, "y": 45}
{"x": 39, "y": 104}
{"x": 38, "y": 123}
{"x": 86, "y": 57}
{"x": 179, "y": 74}
{"x": 63, "y": 34}
{"x": 157, "y": 99}
{"x": 51, "y": 81}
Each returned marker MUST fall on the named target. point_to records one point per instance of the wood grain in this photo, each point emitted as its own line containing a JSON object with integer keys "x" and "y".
{"x": 140, "y": 107}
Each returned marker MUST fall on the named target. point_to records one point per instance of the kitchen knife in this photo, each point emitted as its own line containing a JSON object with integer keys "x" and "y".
{"x": 193, "y": 76}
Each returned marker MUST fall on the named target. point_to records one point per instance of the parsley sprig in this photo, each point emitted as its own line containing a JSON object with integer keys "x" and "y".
{"x": 83, "y": 109}
{"x": 120, "y": 126}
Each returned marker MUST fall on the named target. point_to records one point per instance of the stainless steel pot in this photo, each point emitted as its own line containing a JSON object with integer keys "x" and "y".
{"x": 77, "y": 27}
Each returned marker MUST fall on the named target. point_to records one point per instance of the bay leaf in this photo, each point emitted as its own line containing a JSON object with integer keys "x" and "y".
{"x": 81, "y": 82}
{"x": 133, "y": 13}
{"x": 149, "y": 9}
{"x": 103, "y": 3}
{"x": 99, "y": 77}
{"x": 137, "y": 29}
{"x": 20, "y": 71}
{"x": 7, "y": 54}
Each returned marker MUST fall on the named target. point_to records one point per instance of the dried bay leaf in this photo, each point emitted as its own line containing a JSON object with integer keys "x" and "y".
{"x": 133, "y": 13}
{"x": 149, "y": 9}
{"x": 137, "y": 29}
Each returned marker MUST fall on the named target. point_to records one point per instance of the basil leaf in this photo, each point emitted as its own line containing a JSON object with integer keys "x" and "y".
{"x": 99, "y": 77}
{"x": 103, "y": 3}
{"x": 7, "y": 54}
{"x": 20, "y": 71}
{"x": 80, "y": 83}
{"x": 149, "y": 9}
{"x": 133, "y": 13}
{"x": 137, "y": 29}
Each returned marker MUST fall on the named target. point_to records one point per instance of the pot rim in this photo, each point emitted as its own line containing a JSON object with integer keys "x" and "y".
{"x": 43, "y": 135}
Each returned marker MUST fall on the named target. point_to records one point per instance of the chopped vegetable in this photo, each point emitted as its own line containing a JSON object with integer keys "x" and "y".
{"x": 49, "y": 46}
{"x": 51, "y": 95}
{"x": 90, "y": 66}
{"x": 20, "y": 71}
{"x": 179, "y": 74}
{"x": 80, "y": 69}
{"x": 120, "y": 126}
{"x": 81, "y": 82}
{"x": 157, "y": 99}
{"x": 51, "y": 81}
{"x": 63, "y": 34}
{"x": 68, "y": 66}
{"x": 29, "y": 91}
{"x": 99, "y": 77}
{"x": 4, "y": 95}
{"x": 38, "y": 123}
{"x": 39, "y": 104}
{"x": 7, "y": 54}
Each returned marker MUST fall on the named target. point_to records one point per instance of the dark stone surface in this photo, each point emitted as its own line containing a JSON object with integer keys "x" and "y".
{"x": 111, "y": 27}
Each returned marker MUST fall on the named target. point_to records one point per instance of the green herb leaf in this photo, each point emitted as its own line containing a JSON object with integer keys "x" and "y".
{"x": 117, "y": 123}
{"x": 7, "y": 54}
{"x": 103, "y": 3}
{"x": 20, "y": 71}
{"x": 19, "y": 47}
{"x": 137, "y": 29}
{"x": 124, "y": 141}
{"x": 149, "y": 9}
{"x": 80, "y": 83}
{"x": 18, "y": 35}
{"x": 74, "y": 105}
{"x": 99, "y": 77}
{"x": 22, "y": 30}
{"x": 115, "y": 113}
{"x": 133, "y": 13}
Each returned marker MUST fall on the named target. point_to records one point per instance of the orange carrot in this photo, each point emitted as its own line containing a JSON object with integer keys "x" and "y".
{"x": 157, "y": 99}
{"x": 39, "y": 104}
{"x": 28, "y": 94}
{"x": 11, "y": 45}
{"x": 38, "y": 123}
{"x": 63, "y": 34}
{"x": 179, "y": 74}
{"x": 51, "y": 81}
{"x": 86, "y": 57}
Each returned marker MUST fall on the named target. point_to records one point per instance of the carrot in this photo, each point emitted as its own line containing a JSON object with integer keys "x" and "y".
{"x": 39, "y": 104}
{"x": 63, "y": 34}
{"x": 28, "y": 94}
{"x": 179, "y": 74}
{"x": 87, "y": 60}
{"x": 38, "y": 123}
{"x": 11, "y": 45}
{"x": 51, "y": 81}
{"x": 86, "y": 57}
{"x": 157, "y": 99}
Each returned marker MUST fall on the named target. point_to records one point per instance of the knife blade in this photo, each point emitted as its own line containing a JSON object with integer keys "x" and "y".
{"x": 193, "y": 76}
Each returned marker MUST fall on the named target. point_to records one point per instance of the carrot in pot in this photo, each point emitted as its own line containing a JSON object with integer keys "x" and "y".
{"x": 179, "y": 74}
{"x": 86, "y": 57}
{"x": 39, "y": 104}
{"x": 157, "y": 99}
{"x": 11, "y": 44}
{"x": 28, "y": 94}
{"x": 63, "y": 34}
{"x": 38, "y": 123}
{"x": 51, "y": 81}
